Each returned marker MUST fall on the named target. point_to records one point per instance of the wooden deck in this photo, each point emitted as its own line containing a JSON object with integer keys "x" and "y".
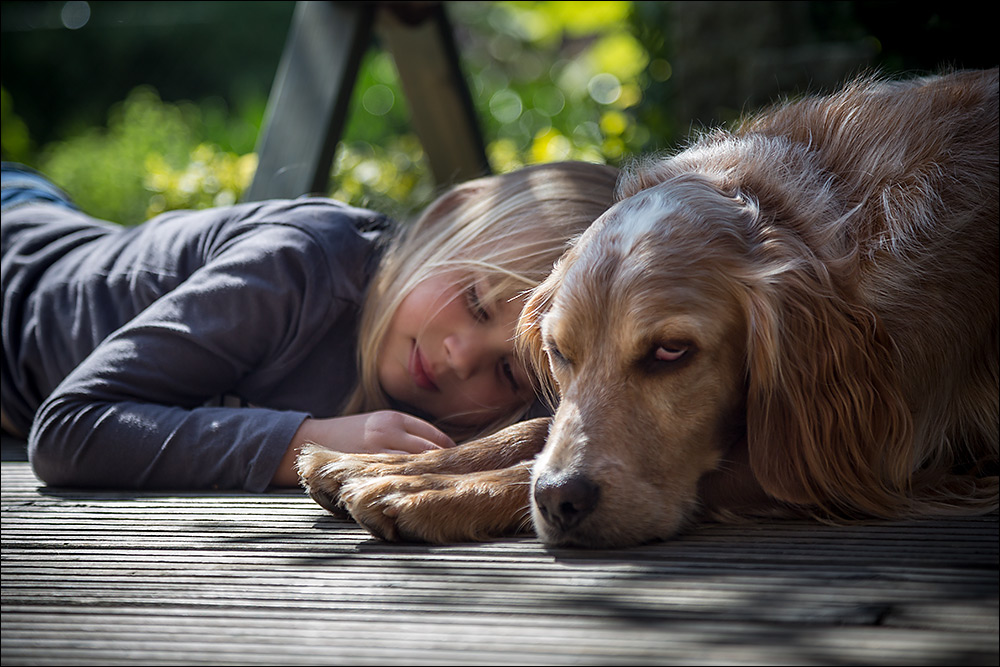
{"x": 148, "y": 578}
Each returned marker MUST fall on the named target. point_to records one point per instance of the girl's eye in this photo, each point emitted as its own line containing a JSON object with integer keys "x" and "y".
{"x": 508, "y": 373}
{"x": 475, "y": 304}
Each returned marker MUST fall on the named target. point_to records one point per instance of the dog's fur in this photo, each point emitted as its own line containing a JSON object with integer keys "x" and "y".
{"x": 795, "y": 318}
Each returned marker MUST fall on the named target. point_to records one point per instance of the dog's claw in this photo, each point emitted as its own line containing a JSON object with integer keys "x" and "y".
{"x": 385, "y": 532}
{"x": 329, "y": 503}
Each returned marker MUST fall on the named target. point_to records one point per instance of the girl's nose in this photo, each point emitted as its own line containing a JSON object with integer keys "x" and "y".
{"x": 465, "y": 352}
{"x": 471, "y": 350}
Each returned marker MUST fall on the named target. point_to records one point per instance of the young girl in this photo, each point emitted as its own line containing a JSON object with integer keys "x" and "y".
{"x": 201, "y": 349}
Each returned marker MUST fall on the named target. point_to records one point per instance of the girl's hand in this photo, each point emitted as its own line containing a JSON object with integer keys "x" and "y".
{"x": 385, "y": 431}
{"x": 373, "y": 433}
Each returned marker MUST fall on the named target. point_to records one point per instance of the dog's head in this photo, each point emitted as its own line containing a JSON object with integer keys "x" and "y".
{"x": 681, "y": 330}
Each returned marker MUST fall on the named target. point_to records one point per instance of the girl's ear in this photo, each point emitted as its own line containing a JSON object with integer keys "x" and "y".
{"x": 529, "y": 333}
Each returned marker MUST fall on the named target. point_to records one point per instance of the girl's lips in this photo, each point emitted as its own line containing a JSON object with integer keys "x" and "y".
{"x": 420, "y": 370}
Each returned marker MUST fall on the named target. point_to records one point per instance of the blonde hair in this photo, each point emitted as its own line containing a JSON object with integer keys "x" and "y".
{"x": 508, "y": 229}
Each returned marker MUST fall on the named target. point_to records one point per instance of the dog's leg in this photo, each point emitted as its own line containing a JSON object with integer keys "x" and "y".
{"x": 324, "y": 472}
{"x": 442, "y": 508}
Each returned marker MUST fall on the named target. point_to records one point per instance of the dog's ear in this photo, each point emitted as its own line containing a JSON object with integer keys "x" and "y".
{"x": 827, "y": 424}
{"x": 529, "y": 333}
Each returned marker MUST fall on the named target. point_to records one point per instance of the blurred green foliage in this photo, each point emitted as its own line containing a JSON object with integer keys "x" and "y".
{"x": 14, "y": 136}
{"x": 549, "y": 81}
{"x": 150, "y": 157}
{"x": 554, "y": 80}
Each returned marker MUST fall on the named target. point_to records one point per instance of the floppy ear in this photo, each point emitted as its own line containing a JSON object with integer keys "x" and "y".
{"x": 827, "y": 424}
{"x": 529, "y": 333}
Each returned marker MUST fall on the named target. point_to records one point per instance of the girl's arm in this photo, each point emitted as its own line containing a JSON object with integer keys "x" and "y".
{"x": 132, "y": 414}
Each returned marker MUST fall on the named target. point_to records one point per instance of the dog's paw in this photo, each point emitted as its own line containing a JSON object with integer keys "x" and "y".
{"x": 396, "y": 500}
{"x": 321, "y": 473}
{"x": 395, "y": 508}
{"x": 361, "y": 487}
{"x": 435, "y": 508}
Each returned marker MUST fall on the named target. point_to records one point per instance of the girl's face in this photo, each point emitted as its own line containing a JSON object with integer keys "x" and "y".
{"x": 450, "y": 354}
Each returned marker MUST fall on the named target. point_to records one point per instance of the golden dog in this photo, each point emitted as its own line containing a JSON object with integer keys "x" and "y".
{"x": 795, "y": 318}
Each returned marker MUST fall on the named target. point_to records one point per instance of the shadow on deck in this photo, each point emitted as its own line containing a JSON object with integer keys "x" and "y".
{"x": 125, "y": 578}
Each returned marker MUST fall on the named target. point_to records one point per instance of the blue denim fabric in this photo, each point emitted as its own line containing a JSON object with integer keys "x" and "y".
{"x": 23, "y": 185}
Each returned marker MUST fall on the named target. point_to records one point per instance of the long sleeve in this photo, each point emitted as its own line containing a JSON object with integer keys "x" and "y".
{"x": 267, "y": 317}
{"x": 128, "y": 415}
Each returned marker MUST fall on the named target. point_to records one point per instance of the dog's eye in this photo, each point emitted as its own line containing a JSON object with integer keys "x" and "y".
{"x": 556, "y": 356}
{"x": 670, "y": 353}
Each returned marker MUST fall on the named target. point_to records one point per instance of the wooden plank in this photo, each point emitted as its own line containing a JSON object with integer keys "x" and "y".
{"x": 225, "y": 578}
{"x": 449, "y": 639}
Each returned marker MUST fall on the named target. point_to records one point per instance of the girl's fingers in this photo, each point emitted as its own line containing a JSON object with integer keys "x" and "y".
{"x": 428, "y": 433}
{"x": 409, "y": 444}
{"x": 414, "y": 444}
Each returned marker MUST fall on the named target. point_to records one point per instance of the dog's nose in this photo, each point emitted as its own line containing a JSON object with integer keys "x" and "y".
{"x": 565, "y": 499}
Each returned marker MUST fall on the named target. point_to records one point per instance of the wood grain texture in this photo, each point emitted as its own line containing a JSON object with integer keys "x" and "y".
{"x": 227, "y": 578}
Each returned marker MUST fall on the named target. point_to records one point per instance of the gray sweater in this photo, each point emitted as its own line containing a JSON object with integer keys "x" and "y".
{"x": 124, "y": 348}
